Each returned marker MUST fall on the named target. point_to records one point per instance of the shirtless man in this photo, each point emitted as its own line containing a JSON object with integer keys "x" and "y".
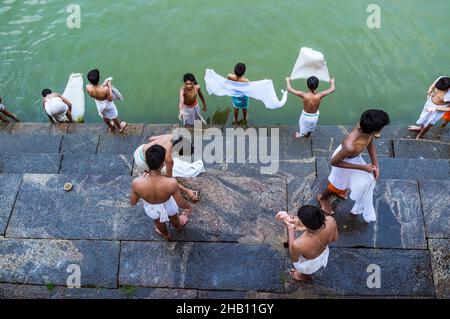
{"x": 161, "y": 194}
{"x": 309, "y": 252}
{"x": 347, "y": 156}
{"x": 189, "y": 108}
{"x": 311, "y": 103}
{"x": 4, "y": 114}
{"x": 57, "y": 107}
{"x": 103, "y": 97}
{"x": 167, "y": 142}
{"x": 239, "y": 102}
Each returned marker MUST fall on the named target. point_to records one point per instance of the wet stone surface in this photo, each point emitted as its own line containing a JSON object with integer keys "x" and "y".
{"x": 421, "y": 149}
{"x": 17, "y": 144}
{"x": 436, "y": 207}
{"x": 30, "y": 163}
{"x": 9, "y": 186}
{"x": 99, "y": 164}
{"x": 440, "y": 261}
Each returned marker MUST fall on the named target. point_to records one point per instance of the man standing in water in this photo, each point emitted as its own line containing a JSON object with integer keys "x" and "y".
{"x": 350, "y": 171}
{"x": 161, "y": 194}
{"x": 311, "y": 103}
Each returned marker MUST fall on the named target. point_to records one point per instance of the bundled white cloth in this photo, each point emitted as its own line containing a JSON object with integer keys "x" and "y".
{"x": 310, "y": 266}
{"x": 308, "y": 122}
{"x": 310, "y": 63}
{"x": 360, "y": 183}
{"x": 426, "y": 118}
{"x": 263, "y": 90}
{"x": 116, "y": 95}
{"x": 57, "y": 109}
{"x": 161, "y": 211}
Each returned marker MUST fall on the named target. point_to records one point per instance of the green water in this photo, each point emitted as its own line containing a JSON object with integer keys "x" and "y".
{"x": 148, "y": 45}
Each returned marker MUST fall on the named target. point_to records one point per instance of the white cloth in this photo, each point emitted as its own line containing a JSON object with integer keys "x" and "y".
{"x": 263, "y": 90}
{"x": 426, "y": 118}
{"x": 360, "y": 183}
{"x": 310, "y": 63}
{"x": 106, "y": 109}
{"x": 308, "y": 122}
{"x": 2, "y": 107}
{"x": 56, "y": 108}
{"x": 161, "y": 211}
{"x": 116, "y": 95}
{"x": 180, "y": 168}
{"x": 310, "y": 266}
{"x": 190, "y": 114}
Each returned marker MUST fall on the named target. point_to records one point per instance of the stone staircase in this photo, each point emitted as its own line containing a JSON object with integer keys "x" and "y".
{"x": 232, "y": 246}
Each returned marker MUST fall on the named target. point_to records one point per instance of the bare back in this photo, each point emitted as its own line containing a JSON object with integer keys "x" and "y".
{"x": 234, "y": 77}
{"x": 97, "y": 92}
{"x": 163, "y": 140}
{"x": 155, "y": 189}
{"x": 355, "y": 143}
{"x": 311, "y": 246}
{"x": 311, "y": 102}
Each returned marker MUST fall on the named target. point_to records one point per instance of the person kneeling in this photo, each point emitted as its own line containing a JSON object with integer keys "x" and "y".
{"x": 310, "y": 251}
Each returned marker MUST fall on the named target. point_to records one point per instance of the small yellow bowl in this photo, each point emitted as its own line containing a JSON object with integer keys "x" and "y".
{"x": 68, "y": 187}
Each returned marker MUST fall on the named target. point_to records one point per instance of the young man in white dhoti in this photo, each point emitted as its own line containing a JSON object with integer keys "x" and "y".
{"x": 161, "y": 194}
{"x": 311, "y": 103}
{"x": 438, "y": 102}
{"x": 57, "y": 107}
{"x": 103, "y": 96}
{"x": 351, "y": 172}
{"x": 309, "y": 252}
{"x": 167, "y": 142}
{"x": 188, "y": 106}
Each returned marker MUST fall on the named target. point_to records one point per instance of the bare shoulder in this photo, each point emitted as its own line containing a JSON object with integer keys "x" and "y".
{"x": 172, "y": 183}
{"x": 348, "y": 146}
{"x": 232, "y": 77}
{"x": 331, "y": 221}
{"x": 245, "y": 79}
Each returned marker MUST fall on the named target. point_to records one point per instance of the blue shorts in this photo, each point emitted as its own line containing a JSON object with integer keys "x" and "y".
{"x": 240, "y": 102}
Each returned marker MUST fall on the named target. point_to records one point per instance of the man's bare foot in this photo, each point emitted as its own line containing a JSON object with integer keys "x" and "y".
{"x": 343, "y": 196}
{"x": 111, "y": 128}
{"x": 298, "y": 135}
{"x": 184, "y": 218}
{"x": 122, "y": 126}
{"x": 300, "y": 277}
{"x": 414, "y": 128}
{"x": 166, "y": 237}
{"x": 418, "y": 137}
{"x": 325, "y": 205}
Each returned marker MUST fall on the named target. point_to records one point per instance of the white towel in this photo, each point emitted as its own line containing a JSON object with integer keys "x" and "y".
{"x": 360, "y": 183}
{"x": 190, "y": 114}
{"x": 308, "y": 122}
{"x": 57, "y": 109}
{"x": 106, "y": 109}
{"x": 116, "y": 95}
{"x": 426, "y": 118}
{"x": 310, "y": 266}
{"x": 310, "y": 63}
{"x": 263, "y": 90}
{"x": 186, "y": 169}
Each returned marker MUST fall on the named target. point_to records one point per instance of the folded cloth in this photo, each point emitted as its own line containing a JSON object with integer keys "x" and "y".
{"x": 180, "y": 167}
{"x": 360, "y": 183}
{"x": 310, "y": 266}
{"x": 426, "y": 118}
{"x": 107, "y": 109}
{"x": 161, "y": 211}
{"x": 191, "y": 114}
{"x": 57, "y": 109}
{"x": 116, "y": 95}
{"x": 263, "y": 90}
{"x": 308, "y": 122}
{"x": 310, "y": 63}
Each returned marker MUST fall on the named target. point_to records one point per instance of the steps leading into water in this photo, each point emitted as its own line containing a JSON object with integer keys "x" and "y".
{"x": 232, "y": 247}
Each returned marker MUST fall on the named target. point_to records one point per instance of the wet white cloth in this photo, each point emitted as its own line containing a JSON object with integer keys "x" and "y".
{"x": 180, "y": 167}
{"x": 426, "y": 118}
{"x": 2, "y": 107}
{"x": 191, "y": 114}
{"x": 310, "y": 266}
{"x": 263, "y": 90}
{"x": 161, "y": 211}
{"x": 106, "y": 109}
{"x": 308, "y": 122}
{"x": 56, "y": 108}
{"x": 360, "y": 183}
{"x": 310, "y": 63}
{"x": 116, "y": 95}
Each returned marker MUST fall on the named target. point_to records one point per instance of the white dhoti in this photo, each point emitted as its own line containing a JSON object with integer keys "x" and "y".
{"x": 308, "y": 122}
{"x": 163, "y": 211}
{"x": 107, "y": 109}
{"x": 57, "y": 109}
{"x": 191, "y": 114}
{"x": 426, "y": 118}
{"x": 360, "y": 183}
{"x": 310, "y": 266}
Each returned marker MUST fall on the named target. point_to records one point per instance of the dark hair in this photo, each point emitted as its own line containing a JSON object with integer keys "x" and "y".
{"x": 311, "y": 216}
{"x": 313, "y": 83}
{"x": 46, "y": 92}
{"x": 443, "y": 84}
{"x": 154, "y": 157}
{"x": 1, "y": 100}
{"x": 94, "y": 76}
{"x": 240, "y": 69}
{"x": 189, "y": 77}
{"x": 373, "y": 121}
